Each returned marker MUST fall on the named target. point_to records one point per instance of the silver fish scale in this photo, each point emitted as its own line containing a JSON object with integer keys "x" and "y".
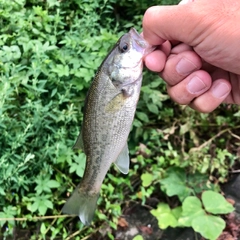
{"x": 105, "y": 132}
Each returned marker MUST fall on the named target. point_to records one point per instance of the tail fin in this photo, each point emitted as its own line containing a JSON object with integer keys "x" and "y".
{"x": 81, "y": 204}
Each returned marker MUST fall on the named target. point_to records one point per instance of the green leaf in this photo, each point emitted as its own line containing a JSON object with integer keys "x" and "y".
{"x": 53, "y": 184}
{"x": 175, "y": 183}
{"x": 153, "y": 108}
{"x": 147, "y": 179}
{"x": 61, "y": 70}
{"x": 191, "y": 208}
{"x": 34, "y": 206}
{"x": 208, "y": 226}
{"x": 48, "y": 204}
{"x": 78, "y": 165}
{"x": 237, "y": 114}
{"x": 177, "y": 212}
{"x": 142, "y": 116}
{"x": 2, "y": 216}
{"x": 199, "y": 182}
{"x": 8, "y": 212}
{"x": 215, "y": 203}
{"x": 42, "y": 208}
{"x": 2, "y": 191}
{"x": 164, "y": 216}
{"x": 43, "y": 228}
{"x": 52, "y": 3}
{"x": 138, "y": 237}
{"x": 162, "y": 208}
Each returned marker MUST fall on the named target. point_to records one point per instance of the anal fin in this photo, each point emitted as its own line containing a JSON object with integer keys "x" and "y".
{"x": 122, "y": 162}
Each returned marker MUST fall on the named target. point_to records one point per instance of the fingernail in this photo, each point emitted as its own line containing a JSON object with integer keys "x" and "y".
{"x": 184, "y": 67}
{"x": 220, "y": 90}
{"x": 196, "y": 85}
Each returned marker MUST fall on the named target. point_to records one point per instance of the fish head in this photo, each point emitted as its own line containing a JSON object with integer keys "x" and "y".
{"x": 126, "y": 60}
{"x": 131, "y": 49}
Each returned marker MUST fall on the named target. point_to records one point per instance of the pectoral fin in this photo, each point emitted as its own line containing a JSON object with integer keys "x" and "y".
{"x": 122, "y": 162}
{"x": 116, "y": 103}
{"x": 79, "y": 143}
{"x": 119, "y": 100}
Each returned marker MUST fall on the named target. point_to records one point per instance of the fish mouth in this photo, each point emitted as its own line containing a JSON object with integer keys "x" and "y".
{"x": 140, "y": 44}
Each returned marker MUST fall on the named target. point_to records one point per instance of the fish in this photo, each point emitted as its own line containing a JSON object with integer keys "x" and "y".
{"x": 109, "y": 111}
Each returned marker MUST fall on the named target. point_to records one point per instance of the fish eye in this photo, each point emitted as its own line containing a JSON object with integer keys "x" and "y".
{"x": 123, "y": 47}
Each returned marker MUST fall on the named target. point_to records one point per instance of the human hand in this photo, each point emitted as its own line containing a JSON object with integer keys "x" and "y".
{"x": 198, "y": 52}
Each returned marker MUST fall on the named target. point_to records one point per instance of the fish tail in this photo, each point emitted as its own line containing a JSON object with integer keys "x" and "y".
{"x": 82, "y": 204}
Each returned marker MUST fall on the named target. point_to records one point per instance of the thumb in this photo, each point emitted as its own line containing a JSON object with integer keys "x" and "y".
{"x": 178, "y": 22}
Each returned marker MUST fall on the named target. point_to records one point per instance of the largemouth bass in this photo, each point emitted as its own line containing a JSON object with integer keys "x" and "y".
{"x": 108, "y": 115}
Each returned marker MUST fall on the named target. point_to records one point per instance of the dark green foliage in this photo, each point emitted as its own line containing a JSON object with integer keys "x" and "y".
{"x": 49, "y": 52}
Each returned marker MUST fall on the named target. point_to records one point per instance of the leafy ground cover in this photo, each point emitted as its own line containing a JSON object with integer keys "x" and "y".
{"x": 49, "y": 52}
